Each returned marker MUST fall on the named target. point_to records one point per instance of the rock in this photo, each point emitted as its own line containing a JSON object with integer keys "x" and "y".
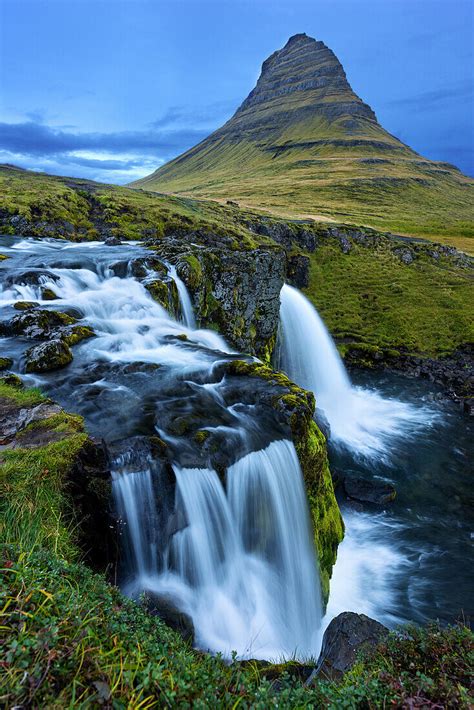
{"x": 34, "y": 277}
{"x": 468, "y": 406}
{"x": 298, "y": 270}
{"x": 237, "y": 292}
{"x": 369, "y": 491}
{"x": 405, "y": 255}
{"x": 112, "y": 242}
{"x": 37, "y": 324}
{"x": 346, "y": 246}
{"x": 14, "y": 419}
{"x": 47, "y": 294}
{"x": 52, "y": 355}
{"x": 231, "y": 203}
{"x": 5, "y": 363}
{"x": 346, "y": 635}
{"x": 164, "y": 607}
{"x": 25, "y": 305}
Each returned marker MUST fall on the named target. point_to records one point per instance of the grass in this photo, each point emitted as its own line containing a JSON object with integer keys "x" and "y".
{"x": 35, "y": 512}
{"x": 424, "y": 308}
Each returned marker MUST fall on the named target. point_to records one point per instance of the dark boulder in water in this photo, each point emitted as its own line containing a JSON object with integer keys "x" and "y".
{"x": 164, "y": 607}
{"x": 112, "y": 242}
{"x": 52, "y": 355}
{"x": 369, "y": 491}
{"x": 346, "y": 635}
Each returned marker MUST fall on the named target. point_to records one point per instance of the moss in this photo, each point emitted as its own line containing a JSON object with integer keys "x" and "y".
{"x": 5, "y": 363}
{"x": 201, "y": 436}
{"x": 327, "y": 520}
{"x": 24, "y": 305}
{"x": 47, "y": 294}
{"x": 159, "y": 292}
{"x": 11, "y": 380}
{"x": 52, "y": 355}
{"x": 77, "y": 334}
{"x": 194, "y": 273}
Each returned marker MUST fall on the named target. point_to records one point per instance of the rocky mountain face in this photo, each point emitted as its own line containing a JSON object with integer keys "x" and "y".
{"x": 304, "y": 144}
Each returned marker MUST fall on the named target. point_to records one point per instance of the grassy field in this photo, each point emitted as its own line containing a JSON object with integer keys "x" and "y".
{"x": 375, "y": 299}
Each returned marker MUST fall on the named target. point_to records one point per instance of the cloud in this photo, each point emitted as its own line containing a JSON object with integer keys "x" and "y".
{"x": 429, "y": 100}
{"x": 119, "y": 156}
{"x": 32, "y": 138}
{"x": 210, "y": 115}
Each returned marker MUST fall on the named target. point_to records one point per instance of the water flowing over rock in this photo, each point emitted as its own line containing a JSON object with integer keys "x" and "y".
{"x": 243, "y": 567}
{"x": 204, "y": 445}
{"x": 359, "y": 418}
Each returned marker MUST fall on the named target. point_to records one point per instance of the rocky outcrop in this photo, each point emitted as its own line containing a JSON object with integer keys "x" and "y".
{"x": 453, "y": 373}
{"x": 235, "y": 292}
{"x": 346, "y": 636}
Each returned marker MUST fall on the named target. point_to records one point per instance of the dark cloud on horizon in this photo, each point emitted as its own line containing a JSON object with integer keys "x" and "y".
{"x": 38, "y": 139}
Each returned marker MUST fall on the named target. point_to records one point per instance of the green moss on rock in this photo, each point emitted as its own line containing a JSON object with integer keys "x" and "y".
{"x": 5, "y": 363}
{"x": 78, "y": 333}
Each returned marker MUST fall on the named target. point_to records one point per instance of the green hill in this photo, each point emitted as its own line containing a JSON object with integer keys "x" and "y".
{"x": 303, "y": 144}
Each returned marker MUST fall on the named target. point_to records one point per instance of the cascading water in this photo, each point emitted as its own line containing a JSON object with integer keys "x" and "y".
{"x": 359, "y": 418}
{"x": 239, "y": 558}
{"x": 185, "y": 301}
{"x": 244, "y": 565}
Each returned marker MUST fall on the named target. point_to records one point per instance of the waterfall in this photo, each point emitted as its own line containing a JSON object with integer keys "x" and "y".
{"x": 359, "y": 418}
{"x": 184, "y": 299}
{"x": 244, "y": 566}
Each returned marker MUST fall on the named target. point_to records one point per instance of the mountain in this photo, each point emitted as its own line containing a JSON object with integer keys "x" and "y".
{"x": 303, "y": 144}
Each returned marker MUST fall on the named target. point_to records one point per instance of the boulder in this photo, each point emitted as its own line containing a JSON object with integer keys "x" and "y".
{"x": 164, "y": 607}
{"x": 347, "y": 634}
{"x": 37, "y": 323}
{"x": 48, "y": 356}
{"x": 112, "y": 242}
{"x": 369, "y": 491}
{"x": 5, "y": 363}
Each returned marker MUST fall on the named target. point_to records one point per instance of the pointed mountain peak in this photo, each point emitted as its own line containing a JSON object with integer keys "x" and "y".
{"x": 307, "y": 73}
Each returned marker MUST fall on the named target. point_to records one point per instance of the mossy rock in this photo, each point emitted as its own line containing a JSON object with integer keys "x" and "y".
{"x": 77, "y": 334}
{"x": 25, "y": 305}
{"x": 47, "y": 294}
{"x": 52, "y": 355}
{"x": 5, "y": 363}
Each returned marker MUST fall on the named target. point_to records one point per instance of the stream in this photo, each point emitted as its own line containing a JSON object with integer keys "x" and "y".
{"x": 239, "y": 557}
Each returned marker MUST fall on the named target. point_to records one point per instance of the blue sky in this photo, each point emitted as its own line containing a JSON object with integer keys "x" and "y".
{"x": 111, "y": 89}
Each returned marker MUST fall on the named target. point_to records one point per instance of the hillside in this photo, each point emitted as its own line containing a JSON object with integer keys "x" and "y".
{"x": 303, "y": 144}
{"x": 377, "y": 292}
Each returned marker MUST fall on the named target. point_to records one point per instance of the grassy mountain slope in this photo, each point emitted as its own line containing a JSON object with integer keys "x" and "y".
{"x": 304, "y": 145}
